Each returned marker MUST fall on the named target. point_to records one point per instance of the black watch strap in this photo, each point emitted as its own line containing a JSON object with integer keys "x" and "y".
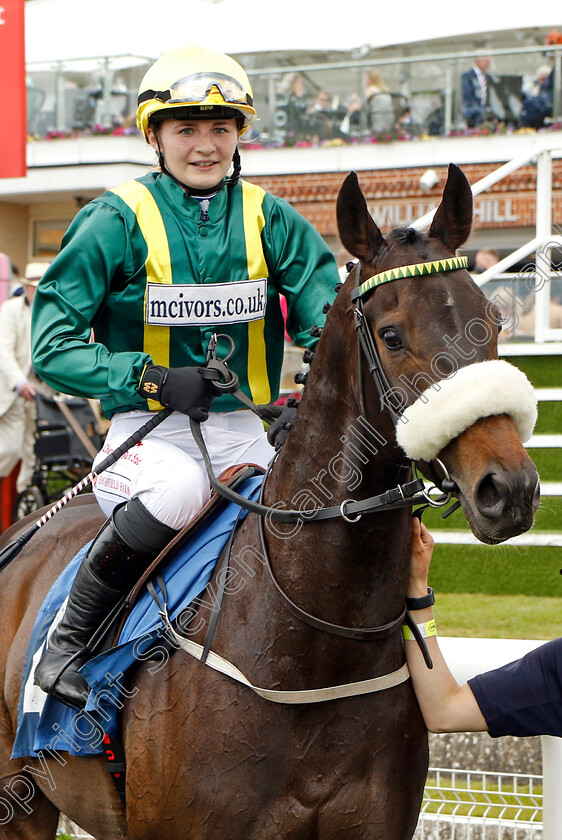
{"x": 421, "y": 603}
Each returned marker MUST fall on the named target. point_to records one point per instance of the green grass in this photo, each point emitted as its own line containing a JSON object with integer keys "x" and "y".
{"x": 504, "y": 617}
{"x": 498, "y": 591}
{"x": 477, "y": 802}
{"x": 497, "y": 570}
{"x": 548, "y": 462}
{"x": 550, "y": 418}
{"x": 548, "y": 517}
{"x": 542, "y": 371}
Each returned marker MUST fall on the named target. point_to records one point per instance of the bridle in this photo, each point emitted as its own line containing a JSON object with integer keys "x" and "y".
{"x": 350, "y": 510}
{"x": 365, "y": 336}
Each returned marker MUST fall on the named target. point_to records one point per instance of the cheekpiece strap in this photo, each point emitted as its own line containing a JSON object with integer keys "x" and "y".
{"x": 415, "y": 270}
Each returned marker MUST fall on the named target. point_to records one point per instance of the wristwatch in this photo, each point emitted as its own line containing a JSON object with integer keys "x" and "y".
{"x": 421, "y": 603}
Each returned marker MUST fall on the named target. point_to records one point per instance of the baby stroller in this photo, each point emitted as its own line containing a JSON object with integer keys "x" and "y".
{"x": 67, "y": 437}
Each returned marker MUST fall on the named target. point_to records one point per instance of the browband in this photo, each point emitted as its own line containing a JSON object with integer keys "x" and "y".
{"x": 415, "y": 270}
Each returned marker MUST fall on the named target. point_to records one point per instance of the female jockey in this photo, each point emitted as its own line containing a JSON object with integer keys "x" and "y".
{"x": 155, "y": 267}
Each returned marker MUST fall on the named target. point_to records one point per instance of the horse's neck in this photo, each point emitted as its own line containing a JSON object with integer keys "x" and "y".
{"x": 332, "y": 447}
{"x": 333, "y": 454}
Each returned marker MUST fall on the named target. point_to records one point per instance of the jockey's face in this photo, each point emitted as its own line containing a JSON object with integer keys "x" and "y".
{"x": 196, "y": 152}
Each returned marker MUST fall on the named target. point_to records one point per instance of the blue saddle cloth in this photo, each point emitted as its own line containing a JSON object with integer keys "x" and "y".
{"x": 46, "y": 724}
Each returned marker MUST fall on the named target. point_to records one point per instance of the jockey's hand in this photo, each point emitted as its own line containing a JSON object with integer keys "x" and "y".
{"x": 279, "y": 430}
{"x": 183, "y": 389}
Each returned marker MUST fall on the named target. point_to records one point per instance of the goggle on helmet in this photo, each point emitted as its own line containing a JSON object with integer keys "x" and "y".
{"x": 206, "y": 93}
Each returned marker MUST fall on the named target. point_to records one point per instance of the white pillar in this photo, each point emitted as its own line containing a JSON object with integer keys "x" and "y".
{"x": 552, "y": 774}
{"x": 544, "y": 233}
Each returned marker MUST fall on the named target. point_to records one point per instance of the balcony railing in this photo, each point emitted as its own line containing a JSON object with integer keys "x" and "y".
{"x": 423, "y": 97}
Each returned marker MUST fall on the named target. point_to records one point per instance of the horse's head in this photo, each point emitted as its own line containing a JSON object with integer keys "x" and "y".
{"x": 423, "y": 321}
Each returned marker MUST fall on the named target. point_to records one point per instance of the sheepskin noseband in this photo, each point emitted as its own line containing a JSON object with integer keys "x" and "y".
{"x": 451, "y": 405}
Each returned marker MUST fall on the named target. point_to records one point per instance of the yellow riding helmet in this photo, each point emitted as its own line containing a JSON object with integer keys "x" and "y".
{"x": 195, "y": 77}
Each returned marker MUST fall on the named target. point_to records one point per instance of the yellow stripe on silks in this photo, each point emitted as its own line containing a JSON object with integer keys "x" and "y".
{"x": 158, "y": 264}
{"x": 258, "y": 380}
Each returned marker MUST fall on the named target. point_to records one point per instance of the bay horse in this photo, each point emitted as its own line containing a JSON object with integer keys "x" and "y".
{"x": 209, "y": 759}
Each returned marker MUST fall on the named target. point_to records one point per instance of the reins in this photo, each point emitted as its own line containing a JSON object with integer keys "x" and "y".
{"x": 403, "y": 495}
{"x": 349, "y": 510}
{"x": 359, "y": 633}
{"x": 226, "y": 381}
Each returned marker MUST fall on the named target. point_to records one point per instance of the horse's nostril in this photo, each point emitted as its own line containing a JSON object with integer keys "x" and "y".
{"x": 492, "y": 494}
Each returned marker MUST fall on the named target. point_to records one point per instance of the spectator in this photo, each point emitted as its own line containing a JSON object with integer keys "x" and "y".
{"x": 17, "y": 383}
{"x": 405, "y": 125}
{"x": 378, "y": 103}
{"x": 436, "y": 122}
{"x": 295, "y": 103}
{"x": 320, "y": 116}
{"x": 16, "y": 287}
{"x": 351, "y": 122}
{"x": 476, "y": 84}
{"x": 537, "y": 106}
{"x": 485, "y": 259}
{"x": 521, "y": 698}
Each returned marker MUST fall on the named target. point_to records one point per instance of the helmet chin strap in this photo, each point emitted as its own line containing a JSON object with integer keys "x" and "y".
{"x": 230, "y": 182}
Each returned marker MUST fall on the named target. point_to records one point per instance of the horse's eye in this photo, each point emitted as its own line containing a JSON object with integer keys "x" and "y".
{"x": 391, "y": 339}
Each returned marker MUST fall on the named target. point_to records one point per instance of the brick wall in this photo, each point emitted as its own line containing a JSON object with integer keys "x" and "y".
{"x": 395, "y": 197}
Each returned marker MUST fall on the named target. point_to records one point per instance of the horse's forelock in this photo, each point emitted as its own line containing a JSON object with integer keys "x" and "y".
{"x": 405, "y": 236}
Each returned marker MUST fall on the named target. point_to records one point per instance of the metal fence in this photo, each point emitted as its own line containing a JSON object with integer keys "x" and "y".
{"x": 100, "y": 92}
{"x": 462, "y": 805}
{"x": 480, "y": 805}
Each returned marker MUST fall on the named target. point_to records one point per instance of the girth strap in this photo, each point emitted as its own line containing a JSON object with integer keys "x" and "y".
{"x": 311, "y": 695}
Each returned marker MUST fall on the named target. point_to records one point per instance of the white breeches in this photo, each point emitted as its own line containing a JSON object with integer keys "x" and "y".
{"x": 166, "y": 471}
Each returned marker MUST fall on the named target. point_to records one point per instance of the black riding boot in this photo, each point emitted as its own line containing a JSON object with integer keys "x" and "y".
{"x": 115, "y": 559}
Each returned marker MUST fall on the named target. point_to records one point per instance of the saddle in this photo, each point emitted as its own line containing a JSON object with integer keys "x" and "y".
{"x": 109, "y": 631}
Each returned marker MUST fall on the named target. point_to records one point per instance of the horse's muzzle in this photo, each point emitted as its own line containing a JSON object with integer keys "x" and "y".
{"x": 506, "y": 501}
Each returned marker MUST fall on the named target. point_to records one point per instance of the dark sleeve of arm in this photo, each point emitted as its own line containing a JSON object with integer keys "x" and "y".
{"x": 525, "y": 696}
{"x": 467, "y": 88}
{"x": 70, "y": 295}
{"x": 303, "y": 269}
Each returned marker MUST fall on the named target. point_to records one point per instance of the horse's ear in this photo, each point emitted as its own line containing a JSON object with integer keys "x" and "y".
{"x": 358, "y": 232}
{"x": 453, "y": 219}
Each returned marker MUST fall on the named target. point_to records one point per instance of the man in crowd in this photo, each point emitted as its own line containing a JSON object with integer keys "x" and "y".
{"x": 17, "y": 382}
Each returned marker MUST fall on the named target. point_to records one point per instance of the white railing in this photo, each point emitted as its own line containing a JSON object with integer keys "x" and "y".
{"x": 461, "y": 804}
{"x": 468, "y": 657}
{"x": 541, "y": 244}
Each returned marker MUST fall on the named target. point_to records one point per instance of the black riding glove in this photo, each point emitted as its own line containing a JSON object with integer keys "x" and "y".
{"x": 183, "y": 389}
{"x": 279, "y": 430}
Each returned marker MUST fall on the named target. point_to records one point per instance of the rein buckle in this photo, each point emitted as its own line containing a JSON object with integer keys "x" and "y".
{"x": 343, "y": 513}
